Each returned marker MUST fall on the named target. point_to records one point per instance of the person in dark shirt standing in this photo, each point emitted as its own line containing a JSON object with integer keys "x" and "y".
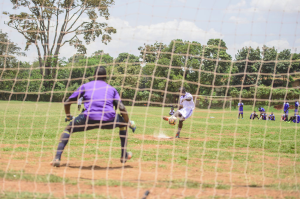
{"x": 99, "y": 102}
{"x": 296, "y": 107}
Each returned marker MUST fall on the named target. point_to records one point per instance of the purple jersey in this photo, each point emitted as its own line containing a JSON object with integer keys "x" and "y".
{"x": 98, "y": 100}
{"x": 272, "y": 117}
{"x": 297, "y": 119}
{"x": 241, "y": 106}
{"x": 286, "y": 107}
{"x": 296, "y": 105}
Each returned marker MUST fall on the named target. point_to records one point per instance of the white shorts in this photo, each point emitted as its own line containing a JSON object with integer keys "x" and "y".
{"x": 186, "y": 112}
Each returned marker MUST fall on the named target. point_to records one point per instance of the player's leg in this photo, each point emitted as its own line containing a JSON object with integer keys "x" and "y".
{"x": 180, "y": 125}
{"x": 180, "y": 118}
{"x": 292, "y": 118}
{"x": 120, "y": 123}
{"x": 182, "y": 115}
{"x": 166, "y": 118}
{"x": 79, "y": 106}
{"x": 173, "y": 115}
{"x": 77, "y": 125}
{"x": 123, "y": 133}
{"x": 63, "y": 141}
{"x": 123, "y": 138}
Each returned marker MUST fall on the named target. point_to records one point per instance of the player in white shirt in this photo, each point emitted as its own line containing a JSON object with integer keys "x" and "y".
{"x": 79, "y": 102}
{"x": 172, "y": 111}
{"x": 186, "y": 107}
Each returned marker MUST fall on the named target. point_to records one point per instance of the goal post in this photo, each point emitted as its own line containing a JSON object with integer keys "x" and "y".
{"x": 222, "y": 52}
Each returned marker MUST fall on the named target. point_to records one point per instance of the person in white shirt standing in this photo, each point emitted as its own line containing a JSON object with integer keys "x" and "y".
{"x": 79, "y": 102}
{"x": 186, "y": 107}
{"x": 172, "y": 111}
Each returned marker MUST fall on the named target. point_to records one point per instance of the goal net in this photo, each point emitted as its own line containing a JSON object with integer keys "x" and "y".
{"x": 213, "y": 102}
{"x": 233, "y": 59}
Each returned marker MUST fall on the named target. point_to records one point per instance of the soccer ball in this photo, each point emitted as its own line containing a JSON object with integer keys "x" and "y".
{"x": 172, "y": 120}
{"x": 132, "y": 124}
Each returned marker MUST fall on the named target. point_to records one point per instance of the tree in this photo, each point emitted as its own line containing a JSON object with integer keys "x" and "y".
{"x": 269, "y": 58}
{"x": 247, "y": 61}
{"x": 35, "y": 26}
{"x": 216, "y": 60}
{"x": 149, "y": 53}
{"x": 8, "y": 61}
{"x": 126, "y": 57}
{"x": 179, "y": 62}
{"x": 8, "y": 51}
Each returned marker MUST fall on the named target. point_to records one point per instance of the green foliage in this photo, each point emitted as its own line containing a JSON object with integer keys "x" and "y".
{"x": 126, "y": 57}
{"x": 207, "y": 146}
{"x": 33, "y": 23}
{"x": 243, "y": 66}
{"x": 165, "y": 68}
{"x": 216, "y": 64}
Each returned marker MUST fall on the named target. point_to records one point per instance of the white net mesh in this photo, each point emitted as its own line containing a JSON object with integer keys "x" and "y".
{"x": 224, "y": 53}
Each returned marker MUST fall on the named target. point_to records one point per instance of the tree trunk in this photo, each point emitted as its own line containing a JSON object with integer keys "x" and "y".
{"x": 41, "y": 66}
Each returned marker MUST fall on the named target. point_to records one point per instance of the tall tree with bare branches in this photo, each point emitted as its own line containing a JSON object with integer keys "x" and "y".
{"x": 35, "y": 26}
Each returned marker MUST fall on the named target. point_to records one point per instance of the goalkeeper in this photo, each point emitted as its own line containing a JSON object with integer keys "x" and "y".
{"x": 99, "y": 100}
{"x": 186, "y": 107}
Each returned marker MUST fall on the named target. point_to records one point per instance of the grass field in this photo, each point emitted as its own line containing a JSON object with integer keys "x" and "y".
{"x": 217, "y": 156}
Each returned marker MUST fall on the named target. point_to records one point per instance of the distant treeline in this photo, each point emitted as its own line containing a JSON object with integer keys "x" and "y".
{"x": 160, "y": 69}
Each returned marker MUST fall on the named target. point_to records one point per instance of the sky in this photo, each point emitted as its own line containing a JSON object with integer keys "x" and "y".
{"x": 239, "y": 23}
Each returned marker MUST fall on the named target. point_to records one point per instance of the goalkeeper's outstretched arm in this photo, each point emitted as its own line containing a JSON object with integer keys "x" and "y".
{"x": 67, "y": 106}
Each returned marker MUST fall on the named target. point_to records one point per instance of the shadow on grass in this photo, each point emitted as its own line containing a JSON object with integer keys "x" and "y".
{"x": 95, "y": 167}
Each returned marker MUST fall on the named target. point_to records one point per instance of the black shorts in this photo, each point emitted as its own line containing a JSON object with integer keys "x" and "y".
{"x": 80, "y": 123}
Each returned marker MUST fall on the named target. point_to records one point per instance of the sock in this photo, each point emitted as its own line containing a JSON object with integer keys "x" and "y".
{"x": 63, "y": 141}
{"x": 123, "y": 135}
{"x": 178, "y": 132}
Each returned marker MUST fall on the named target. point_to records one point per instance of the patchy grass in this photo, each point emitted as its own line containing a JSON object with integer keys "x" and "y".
{"x": 21, "y": 175}
{"x": 25, "y": 195}
{"x": 30, "y": 195}
{"x": 32, "y": 127}
{"x": 175, "y": 184}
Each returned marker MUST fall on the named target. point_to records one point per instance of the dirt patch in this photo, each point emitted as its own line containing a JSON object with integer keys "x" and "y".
{"x": 245, "y": 150}
{"x": 280, "y": 107}
{"x": 234, "y": 174}
{"x": 230, "y": 133}
{"x": 19, "y": 145}
{"x": 149, "y": 146}
{"x": 59, "y": 190}
{"x": 151, "y": 137}
{"x": 279, "y": 161}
